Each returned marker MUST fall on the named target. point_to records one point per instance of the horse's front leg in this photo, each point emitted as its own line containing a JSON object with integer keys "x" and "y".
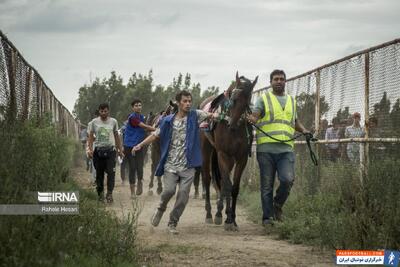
{"x": 239, "y": 168}
{"x": 225, "y": 166}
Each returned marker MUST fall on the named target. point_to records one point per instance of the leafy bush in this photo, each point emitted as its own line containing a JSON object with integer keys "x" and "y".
{"x": 38, "y": 159}
{"x": 338, "y": 207}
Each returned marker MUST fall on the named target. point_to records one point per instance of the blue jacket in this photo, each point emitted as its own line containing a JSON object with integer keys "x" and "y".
{"x": 133, "y": 135}
{"x": 192, "y": 142}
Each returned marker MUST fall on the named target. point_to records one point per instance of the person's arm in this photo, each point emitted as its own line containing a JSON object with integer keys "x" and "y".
{"x": 254, "y": 117}
{"x": 300, "y": 128}
{"x": 257, "y": 111}
{"x": 146, "y": 127}
{"x": 204, "y": 115}
{"x": 90, "y": 144}
{"x": 118, "y": 143}
{"x": 149, "y": 139}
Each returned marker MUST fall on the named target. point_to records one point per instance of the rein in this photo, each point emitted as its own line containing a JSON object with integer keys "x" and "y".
{"x": 309, "y": 138}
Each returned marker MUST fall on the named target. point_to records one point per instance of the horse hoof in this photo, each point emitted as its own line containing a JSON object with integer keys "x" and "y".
{"x": 209, "y": 221}
{"x": 150, "y": 193}
{"x": 218, "y": 220}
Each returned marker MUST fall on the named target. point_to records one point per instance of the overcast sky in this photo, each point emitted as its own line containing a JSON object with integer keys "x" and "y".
{"x": 67, "y": 40}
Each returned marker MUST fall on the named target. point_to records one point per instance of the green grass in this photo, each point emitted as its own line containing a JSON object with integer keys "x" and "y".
{"x": 338, "y": 208}
{"x": 36, "y": 158}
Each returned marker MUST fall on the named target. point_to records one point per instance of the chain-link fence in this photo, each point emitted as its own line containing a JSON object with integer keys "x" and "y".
{"x": 331, "y": 99}
{"x": 351, "y": 198}
{"x": 24, "y": 95}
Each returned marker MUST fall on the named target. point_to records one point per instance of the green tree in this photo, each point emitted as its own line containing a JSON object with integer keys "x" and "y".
{"x": 395, "y": 118}
{"x": 306, "y": 108}
{"x": 382, "y": 114}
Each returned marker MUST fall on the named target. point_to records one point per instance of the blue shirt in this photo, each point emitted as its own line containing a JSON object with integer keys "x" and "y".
{"x": 192, "y": 141}
{"x": 134, "y": 134}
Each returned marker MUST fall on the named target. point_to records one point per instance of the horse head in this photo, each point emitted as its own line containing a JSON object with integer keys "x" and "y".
{"x": 239, "y": 98}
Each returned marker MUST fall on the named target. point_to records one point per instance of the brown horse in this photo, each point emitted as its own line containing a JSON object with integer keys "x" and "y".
{"x": 231, "y": 144}
{"x": 155, "y": 147}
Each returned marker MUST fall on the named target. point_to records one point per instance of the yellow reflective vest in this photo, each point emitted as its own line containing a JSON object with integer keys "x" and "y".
{"x": 277, "y": 122}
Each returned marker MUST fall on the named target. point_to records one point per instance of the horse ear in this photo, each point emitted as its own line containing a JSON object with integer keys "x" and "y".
{"x": 237, "y": 77}
{"x": 255, "y": 81}
{"x": 171, "y": 103}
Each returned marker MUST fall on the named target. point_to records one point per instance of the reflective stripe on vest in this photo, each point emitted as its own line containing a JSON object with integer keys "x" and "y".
{"x": 277, "y": 122}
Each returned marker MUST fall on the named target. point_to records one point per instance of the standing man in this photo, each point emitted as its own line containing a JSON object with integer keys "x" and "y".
{"x": 354, "y": 131}
{"x": 134, "y": 134}
{"x": 107, "y": 140}
{"x": 275, "y": 114}
{"x": 333, "y": 133}
{"x": 180, "y": 155}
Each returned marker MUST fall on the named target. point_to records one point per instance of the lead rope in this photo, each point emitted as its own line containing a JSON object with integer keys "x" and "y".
{"x": 309, "y": 138}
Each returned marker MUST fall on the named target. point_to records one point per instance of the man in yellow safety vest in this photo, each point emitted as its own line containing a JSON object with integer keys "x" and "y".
{"x": 275, "y": 113}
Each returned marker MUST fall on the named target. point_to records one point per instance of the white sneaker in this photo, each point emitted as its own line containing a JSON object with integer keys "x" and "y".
{"x": 172, "y": 229}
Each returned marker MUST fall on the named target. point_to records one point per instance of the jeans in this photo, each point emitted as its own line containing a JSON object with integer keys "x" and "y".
{"x": 269, "y": 164}
{"x": 135, "y": 163}
{"x": 184, "y": 179}
{"x": 104, "y": 165}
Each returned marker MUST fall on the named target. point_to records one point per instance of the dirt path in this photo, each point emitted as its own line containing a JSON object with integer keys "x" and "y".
{"x": 200, "y": 244}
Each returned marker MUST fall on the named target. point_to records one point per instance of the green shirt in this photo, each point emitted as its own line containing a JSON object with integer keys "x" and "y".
{"x": 274, "y": 148}
{"x": 104, "y": 131}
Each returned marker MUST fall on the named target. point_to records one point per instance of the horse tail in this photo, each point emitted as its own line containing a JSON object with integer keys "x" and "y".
{"x": 216, "y": 174}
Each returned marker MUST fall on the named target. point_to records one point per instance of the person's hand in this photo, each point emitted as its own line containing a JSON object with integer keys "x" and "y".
{"x": 308, "y": 135}
{"x": 137, "y": 148}
{"x": 89, "y": 153}
{"x": 213, "y": 116}
{"x": 250, "y": 118}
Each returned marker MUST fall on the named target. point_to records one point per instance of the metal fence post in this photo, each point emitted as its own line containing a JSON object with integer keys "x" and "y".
{"x": 318, "y": 117}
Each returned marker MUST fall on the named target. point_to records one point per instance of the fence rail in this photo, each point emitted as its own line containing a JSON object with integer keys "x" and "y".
{"x": 24, "y": 95}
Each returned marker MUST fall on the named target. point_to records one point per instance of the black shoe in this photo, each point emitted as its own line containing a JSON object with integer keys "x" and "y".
{"x": 101, "y": 198}
{"x": 277, "y": 212}
{"x": 268, "y": 222}
{"x": 109, "y": 198}
{"x": 139, "y": 189}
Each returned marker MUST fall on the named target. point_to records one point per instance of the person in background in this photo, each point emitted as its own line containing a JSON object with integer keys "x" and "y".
{"x": 354, "y": 131}
{"x": 134, "y": 134}
{"x": 333, "y": 133}
{"x": 106, "y": 145}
